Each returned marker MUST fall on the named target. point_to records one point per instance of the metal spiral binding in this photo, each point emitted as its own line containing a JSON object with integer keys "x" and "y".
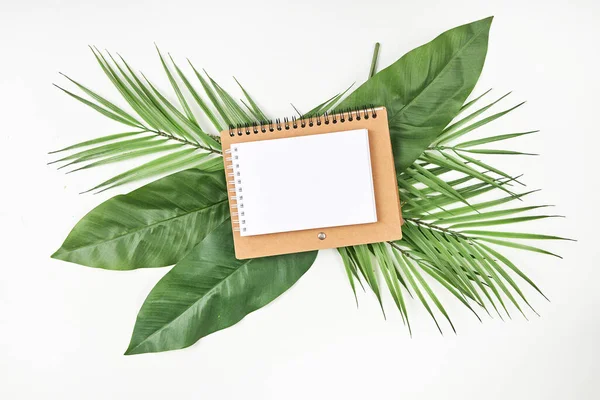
{"x": 233, "y": 171}
{"x": 340, "y": 116}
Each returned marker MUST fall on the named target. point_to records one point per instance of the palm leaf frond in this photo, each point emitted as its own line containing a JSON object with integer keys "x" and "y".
{"x": 449, "y": 233}
{"x": 167, "y": 131}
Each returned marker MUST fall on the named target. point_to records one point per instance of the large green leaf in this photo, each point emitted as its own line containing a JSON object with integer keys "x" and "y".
{"x": 210, "y": 290}
{"x": 426, "y": 88}
{"x": 153, "y": 226}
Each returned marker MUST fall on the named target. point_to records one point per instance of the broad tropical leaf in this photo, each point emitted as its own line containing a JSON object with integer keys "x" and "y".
{"x": 153, "y": 226}
{"x": 210, "y": 290}
{"x": 426, "y": 88}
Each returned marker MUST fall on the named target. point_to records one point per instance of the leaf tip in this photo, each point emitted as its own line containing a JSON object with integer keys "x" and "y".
{"x": 58, "y": 254}
{"x": 131, "y": 349}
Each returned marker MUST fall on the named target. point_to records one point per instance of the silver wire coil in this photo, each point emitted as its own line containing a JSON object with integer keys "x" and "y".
{"x": 326, "y": 118}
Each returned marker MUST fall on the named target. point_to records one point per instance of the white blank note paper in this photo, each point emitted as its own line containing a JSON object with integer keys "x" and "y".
{"x": 304, "y": 182}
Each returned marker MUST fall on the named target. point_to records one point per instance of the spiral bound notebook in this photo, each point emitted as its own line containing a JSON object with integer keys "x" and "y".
{"x": 320, "y": 182}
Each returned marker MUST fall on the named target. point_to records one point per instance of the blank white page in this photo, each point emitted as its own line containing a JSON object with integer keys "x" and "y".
{"x": 304, "y": 182}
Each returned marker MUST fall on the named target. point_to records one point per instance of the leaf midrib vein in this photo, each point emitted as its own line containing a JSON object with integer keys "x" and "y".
{"x": 131, "y": 232}
{"x": 454, "y": 56}
{"x": 211, "y": 290}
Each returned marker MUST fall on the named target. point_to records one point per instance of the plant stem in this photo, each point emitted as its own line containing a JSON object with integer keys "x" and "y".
{"x": 401, "y": 250}
{"x": 440, "y": 148}
{"x": 439, "y": 228}
{"x": 374, "y": 60}
{"x": 185, "y": 141}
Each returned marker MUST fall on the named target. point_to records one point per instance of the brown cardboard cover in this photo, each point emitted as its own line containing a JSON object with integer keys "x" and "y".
{"x": 387, "y": 201}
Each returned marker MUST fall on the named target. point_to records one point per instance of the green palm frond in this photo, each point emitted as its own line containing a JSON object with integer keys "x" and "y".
{"x": 450, "y": 235}
{"x": 169, "y": 132}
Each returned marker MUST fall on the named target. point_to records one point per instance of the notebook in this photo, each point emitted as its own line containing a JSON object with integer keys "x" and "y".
{"x": 319, "y": 182}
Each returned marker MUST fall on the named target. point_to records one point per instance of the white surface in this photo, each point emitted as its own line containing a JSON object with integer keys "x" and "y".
{"x": 304, "y": 182}
{"x": 63, "y": 327}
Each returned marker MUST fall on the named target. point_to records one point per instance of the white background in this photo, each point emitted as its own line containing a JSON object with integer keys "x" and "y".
{"x": 63, "y": 327}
